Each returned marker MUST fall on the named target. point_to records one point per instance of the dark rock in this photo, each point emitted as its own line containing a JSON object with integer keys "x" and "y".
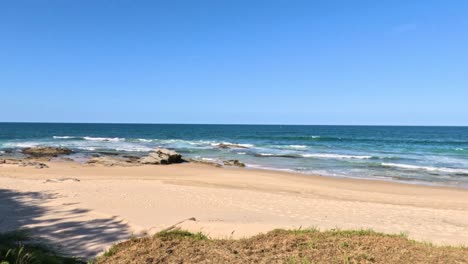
{"x": 66, "y": 159}
{"x": 233, "y": 163}
{"x": 162, "y": 156}
{"x": 229, "y": 146}
{"x": 6, "y": 151}
{"x": 132, "y": 159}
{"x": 9, "y": 161}
{"x": 109, "y": 153}
{"x": 46, "y": 151}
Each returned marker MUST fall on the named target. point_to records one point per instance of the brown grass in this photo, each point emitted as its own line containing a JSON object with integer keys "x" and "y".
{"x": 281, "y": 246}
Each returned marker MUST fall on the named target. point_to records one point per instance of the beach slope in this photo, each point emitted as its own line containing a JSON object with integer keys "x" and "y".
{"x": 87, "y": 208}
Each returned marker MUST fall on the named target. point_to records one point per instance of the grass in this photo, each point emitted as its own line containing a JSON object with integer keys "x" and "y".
{"x": 177, "y": 234}
{"x": 300, "y": 246}
{"x": 17, "y": 247}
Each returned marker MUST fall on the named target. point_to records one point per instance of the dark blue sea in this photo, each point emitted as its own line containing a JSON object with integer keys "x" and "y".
{"x": 422, "y": 155}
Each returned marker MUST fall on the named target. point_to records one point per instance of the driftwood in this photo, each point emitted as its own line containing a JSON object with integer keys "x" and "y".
{"x": 178, "y": 223}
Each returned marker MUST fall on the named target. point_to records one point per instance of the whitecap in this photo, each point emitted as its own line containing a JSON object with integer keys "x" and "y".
{"x": 427, "y": 168}
{"x": 22, "y": 144}
{"x": 298, "y": 146}
{"x": 116, "y": 139}
{"x": 145, "y": 140}
{"x": 88, "y": 148}
{"x": 241, "y": 153}
{"x": 133, "y": 149}
{"x": 459, "y": 149}
{"x": 63, "y": 137}
{"x": 334, "y": 156}
{"x": 179, "y": 143}
{"x": 293, "y": 147}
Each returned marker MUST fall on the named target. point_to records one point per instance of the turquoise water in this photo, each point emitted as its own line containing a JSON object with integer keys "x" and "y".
{"x": 426, "y": 155}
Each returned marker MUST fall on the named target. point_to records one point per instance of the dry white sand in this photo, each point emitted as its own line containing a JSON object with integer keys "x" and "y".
{"x": 85, "y": 209}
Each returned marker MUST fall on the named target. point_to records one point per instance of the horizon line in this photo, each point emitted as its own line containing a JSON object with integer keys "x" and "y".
{"x": 221, "y": 124}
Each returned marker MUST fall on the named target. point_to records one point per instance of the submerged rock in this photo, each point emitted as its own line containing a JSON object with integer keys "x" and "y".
{"x": 236, "y": 163}
{"x": 46, "y": 151}
{"x": 229, "y": 145}
{"x": 162, "y": 156}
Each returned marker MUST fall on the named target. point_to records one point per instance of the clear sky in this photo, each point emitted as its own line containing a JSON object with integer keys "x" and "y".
{"x": 267, "y": 62}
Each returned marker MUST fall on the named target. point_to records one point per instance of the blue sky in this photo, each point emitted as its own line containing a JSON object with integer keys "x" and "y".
{"x": 262, "y": 62}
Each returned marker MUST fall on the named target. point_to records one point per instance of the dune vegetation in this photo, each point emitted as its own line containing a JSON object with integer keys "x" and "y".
{"x": 18, "y": 247}
{"x": 282, "y": 246}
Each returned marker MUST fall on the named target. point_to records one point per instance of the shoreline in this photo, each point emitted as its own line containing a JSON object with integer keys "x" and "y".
{"x": 109, "y": 204}
{"x": 385, "y": 179}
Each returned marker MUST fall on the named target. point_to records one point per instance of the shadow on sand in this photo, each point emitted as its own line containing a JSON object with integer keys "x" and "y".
{"x": 71, "y": 233}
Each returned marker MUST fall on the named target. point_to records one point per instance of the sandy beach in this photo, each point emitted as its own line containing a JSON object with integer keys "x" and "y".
{"x": 86, "y": 208}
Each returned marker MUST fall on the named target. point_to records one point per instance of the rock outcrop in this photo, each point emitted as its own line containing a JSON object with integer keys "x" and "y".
{"x": 206, "y": 162}
{"x": 46, "y": 151}
{"x": 24, "y": 163}
{"x": 35, "y": 164}
{"x": 233, "y": 163}
{"x": 162, "y": 156}
{"x": 10, "y": 161}
{"x": 109, "y": 161}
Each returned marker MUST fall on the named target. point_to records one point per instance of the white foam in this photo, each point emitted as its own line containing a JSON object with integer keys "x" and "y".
{"x": 63, "y": 137}
{"x": 198, "y": 143}
{"x": 298, "y": 146}
{"x": 209, "y": 159}
{"x": 241, "y": 153}
{"x": 23, "y": 144}
{"x": 135, "y": 149}
{"x": 88, "y": 148}
{"x": 334, "y": 156}
{"x": 145, "y": 140}
{"x": 116, "y": 139}
{"x": 290, "y": 147}
{"x": 459, "y": 149}
{"x": 314, "y": 137}
{"x": 427, "y": 168}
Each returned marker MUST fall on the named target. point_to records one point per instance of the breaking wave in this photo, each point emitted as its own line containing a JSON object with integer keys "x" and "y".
{"x": 426, "y": 168}
{"x": 335, "y": 156}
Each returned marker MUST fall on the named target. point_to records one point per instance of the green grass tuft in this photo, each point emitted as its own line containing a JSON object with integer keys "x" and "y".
{"x": 181, "y": 234}
{"x": 18, "y": 247}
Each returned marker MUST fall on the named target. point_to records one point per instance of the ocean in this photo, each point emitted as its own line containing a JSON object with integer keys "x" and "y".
{"x": 420, "y": 155}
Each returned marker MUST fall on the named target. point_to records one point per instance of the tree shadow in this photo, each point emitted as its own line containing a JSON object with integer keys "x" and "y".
{"x": 72, "y": 232}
